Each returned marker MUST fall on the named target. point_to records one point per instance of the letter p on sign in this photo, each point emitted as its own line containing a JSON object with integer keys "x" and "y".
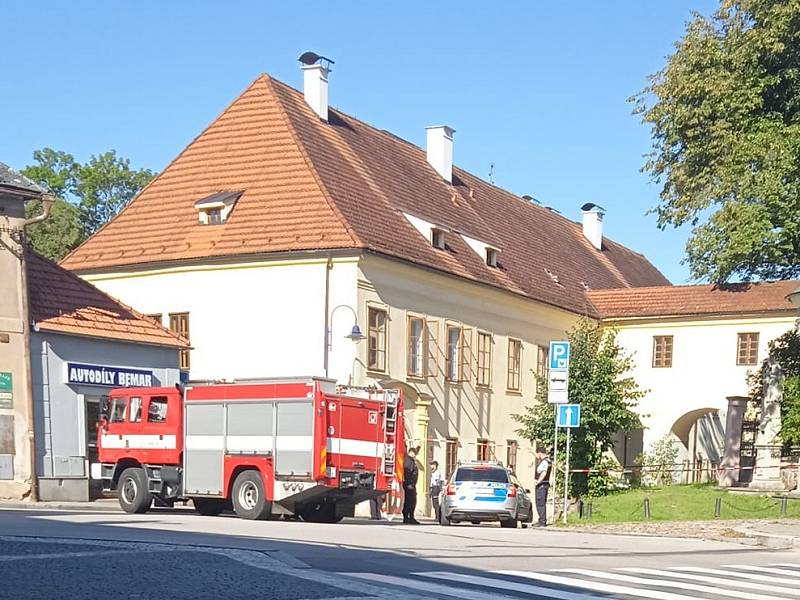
{"x": 559, "y": 356}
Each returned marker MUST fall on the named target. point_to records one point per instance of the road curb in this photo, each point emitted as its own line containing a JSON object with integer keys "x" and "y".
{"x": 767, "y": 540}
{"x": 70, "y": 506}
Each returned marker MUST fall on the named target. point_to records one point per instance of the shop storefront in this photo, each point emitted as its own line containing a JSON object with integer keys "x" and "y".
{"x": 71, "y": 379}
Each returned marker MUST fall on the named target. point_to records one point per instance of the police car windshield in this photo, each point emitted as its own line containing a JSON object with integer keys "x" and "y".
{"x": 494, "y": 474}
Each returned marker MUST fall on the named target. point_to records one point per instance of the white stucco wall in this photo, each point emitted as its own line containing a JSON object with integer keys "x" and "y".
{"x": 704, "y": 370}
{"x": 250, "y": 319}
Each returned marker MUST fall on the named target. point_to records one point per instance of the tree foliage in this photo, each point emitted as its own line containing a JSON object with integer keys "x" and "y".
{"x": 785, "y": 350}
{"x": 599, "y": 382}
{"x": 725, "y": 120}
{"x": 89, "y": 194}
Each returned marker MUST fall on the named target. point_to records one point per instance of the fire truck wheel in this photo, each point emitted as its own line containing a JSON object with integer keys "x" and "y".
{"x": 132, "y": 491}
{"x": 208, "y": 507}
{"x": 249, "y": 500}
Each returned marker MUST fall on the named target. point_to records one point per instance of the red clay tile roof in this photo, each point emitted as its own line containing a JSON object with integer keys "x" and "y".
{"x": 694, "y": 300}
{"x": 312, "y": 185}
{"x": 62, "y": 302}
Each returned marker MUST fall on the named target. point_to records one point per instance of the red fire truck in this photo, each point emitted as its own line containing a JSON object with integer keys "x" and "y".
{"x": 295, "y": 447}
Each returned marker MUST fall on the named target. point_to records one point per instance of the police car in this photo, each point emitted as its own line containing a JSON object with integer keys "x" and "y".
{"x": 482, "y": 491}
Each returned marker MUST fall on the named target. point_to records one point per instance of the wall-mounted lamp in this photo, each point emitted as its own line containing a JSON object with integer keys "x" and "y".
{"x": 794, "y": 298}
{"x": 355, "y": 335}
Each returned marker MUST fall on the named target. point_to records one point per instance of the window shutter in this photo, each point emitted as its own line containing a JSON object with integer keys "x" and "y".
{"x": 465, "y": 355}
{"x": 432, "y": 346}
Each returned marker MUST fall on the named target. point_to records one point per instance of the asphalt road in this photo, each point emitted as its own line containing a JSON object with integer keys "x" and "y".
{"x": 179, "y": 554}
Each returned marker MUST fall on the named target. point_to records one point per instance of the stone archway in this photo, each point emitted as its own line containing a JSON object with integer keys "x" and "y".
{"x": 701, "y": 433}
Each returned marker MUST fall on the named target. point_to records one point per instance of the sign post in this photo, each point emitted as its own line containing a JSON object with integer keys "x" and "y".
{"x": 558, "y": 395}
{"x": 569, "y": 416}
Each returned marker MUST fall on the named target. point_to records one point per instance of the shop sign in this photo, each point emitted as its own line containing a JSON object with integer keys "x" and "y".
{"x": 83, "y": 374}
{"x": 6, "y": 390}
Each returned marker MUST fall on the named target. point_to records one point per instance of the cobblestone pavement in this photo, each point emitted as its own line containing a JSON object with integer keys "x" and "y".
{"x": 41, "y": 568}
{"x": 724, "y": 530}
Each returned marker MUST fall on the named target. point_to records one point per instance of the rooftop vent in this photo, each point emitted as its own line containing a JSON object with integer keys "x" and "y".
{"x": 593, "y": 224}
{"x": 315, "y": 82}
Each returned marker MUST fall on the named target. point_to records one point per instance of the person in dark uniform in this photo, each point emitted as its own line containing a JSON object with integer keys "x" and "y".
{"x": 542, "y": 484}
{"x": 410, "y": 476}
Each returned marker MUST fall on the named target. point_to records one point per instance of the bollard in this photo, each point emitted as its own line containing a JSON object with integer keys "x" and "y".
{"x": 647, "y": 508}
{"x": 717, "y": 507}
{"x": 784, "y": 505}
{"x": 581, "y": 508}
{"x": 589, "y": 510}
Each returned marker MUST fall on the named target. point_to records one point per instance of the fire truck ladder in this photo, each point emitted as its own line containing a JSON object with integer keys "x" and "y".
{"x": 389, "y": 431}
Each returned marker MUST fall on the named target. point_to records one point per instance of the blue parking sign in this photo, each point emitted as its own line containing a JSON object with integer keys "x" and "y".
{"x": 569, "y": 415}
{"x": 559, "y": 356}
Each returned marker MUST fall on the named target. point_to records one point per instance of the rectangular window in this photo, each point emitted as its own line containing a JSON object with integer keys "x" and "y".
{"x": 117, "y": 412}
{"x": 376, "y": 358}
{"x": 747, "y": 349}
{"x": 453, "y": 356}
{"x": 483, "y": 450}
{"x": 135, "y": 415}
{"x": 214, "y": 216}
{"x": 514, "y": 364}
{"x": 179, "y": 323}
{"x": 451, "y": 456}
{"x": 542, "y": 356}
{"x": 662, "y": 351}
{"x": 157, "y": 411}
{"x": 484, "y": 359}
{"x": 511, "y": 455}
{"x": 417, "y": 347}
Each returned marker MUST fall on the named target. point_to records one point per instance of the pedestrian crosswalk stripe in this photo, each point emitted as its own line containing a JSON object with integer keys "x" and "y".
{"x": 726, "y": 582}
{"x": 597, "y": 586}
{"x": 759, "y": 569}
{"x": 739, "y": 574}
{"x": 430, "y": 587}
{"x": 668, "y": 583}
{"x": 505, "y": 584}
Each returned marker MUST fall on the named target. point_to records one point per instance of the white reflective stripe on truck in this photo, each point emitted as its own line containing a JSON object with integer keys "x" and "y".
{"x": 154, "y": 442}
{"x": 249, "y": 443}
{"x": 355, "y": 447}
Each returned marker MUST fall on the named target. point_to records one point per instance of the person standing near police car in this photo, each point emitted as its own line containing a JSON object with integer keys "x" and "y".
{"x": 436, "y": 485}
{"x": 410, "y": 477}
{"x": 543, "y": 468}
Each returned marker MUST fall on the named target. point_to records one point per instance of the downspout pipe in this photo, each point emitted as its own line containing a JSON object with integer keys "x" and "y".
{"x": 326, "y": 346}
{"x": 47, "y": 205}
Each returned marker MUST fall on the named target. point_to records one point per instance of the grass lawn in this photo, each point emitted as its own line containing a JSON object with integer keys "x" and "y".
{"x": 684, "y": 503}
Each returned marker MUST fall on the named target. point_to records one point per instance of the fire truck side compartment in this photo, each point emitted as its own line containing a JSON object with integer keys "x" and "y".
{"x": 203, "y": 458}
{"x": 294, "y": 439}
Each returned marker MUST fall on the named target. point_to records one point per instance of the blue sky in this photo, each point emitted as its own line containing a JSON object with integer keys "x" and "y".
{"x": 538, "y": 88}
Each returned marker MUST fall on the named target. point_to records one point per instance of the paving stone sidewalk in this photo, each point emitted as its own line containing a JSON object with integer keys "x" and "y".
{"x": 743, "y": 531}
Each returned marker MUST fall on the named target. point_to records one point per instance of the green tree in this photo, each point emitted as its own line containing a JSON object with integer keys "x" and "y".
{"x": 599, "y": 382}
{"x": 89, "y": 195}
{"x": 725, "y": 122}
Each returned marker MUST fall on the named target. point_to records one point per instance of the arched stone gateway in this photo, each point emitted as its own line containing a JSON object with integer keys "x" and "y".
{"x": 700, "y": 435}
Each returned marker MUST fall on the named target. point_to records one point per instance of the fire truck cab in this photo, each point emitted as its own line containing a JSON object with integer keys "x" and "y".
{"x": 295, "y": 447}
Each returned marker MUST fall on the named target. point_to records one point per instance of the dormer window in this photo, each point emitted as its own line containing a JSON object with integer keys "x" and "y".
{"x": 214, "y": 216}
{"x": 216, "y": 208}
{"x": 491, "y": 257}
{"x": 437, "y": 238}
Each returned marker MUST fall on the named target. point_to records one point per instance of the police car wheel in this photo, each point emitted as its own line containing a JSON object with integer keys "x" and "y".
{"x": 249, "y": 500}
{"x": 132, "y": 491}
